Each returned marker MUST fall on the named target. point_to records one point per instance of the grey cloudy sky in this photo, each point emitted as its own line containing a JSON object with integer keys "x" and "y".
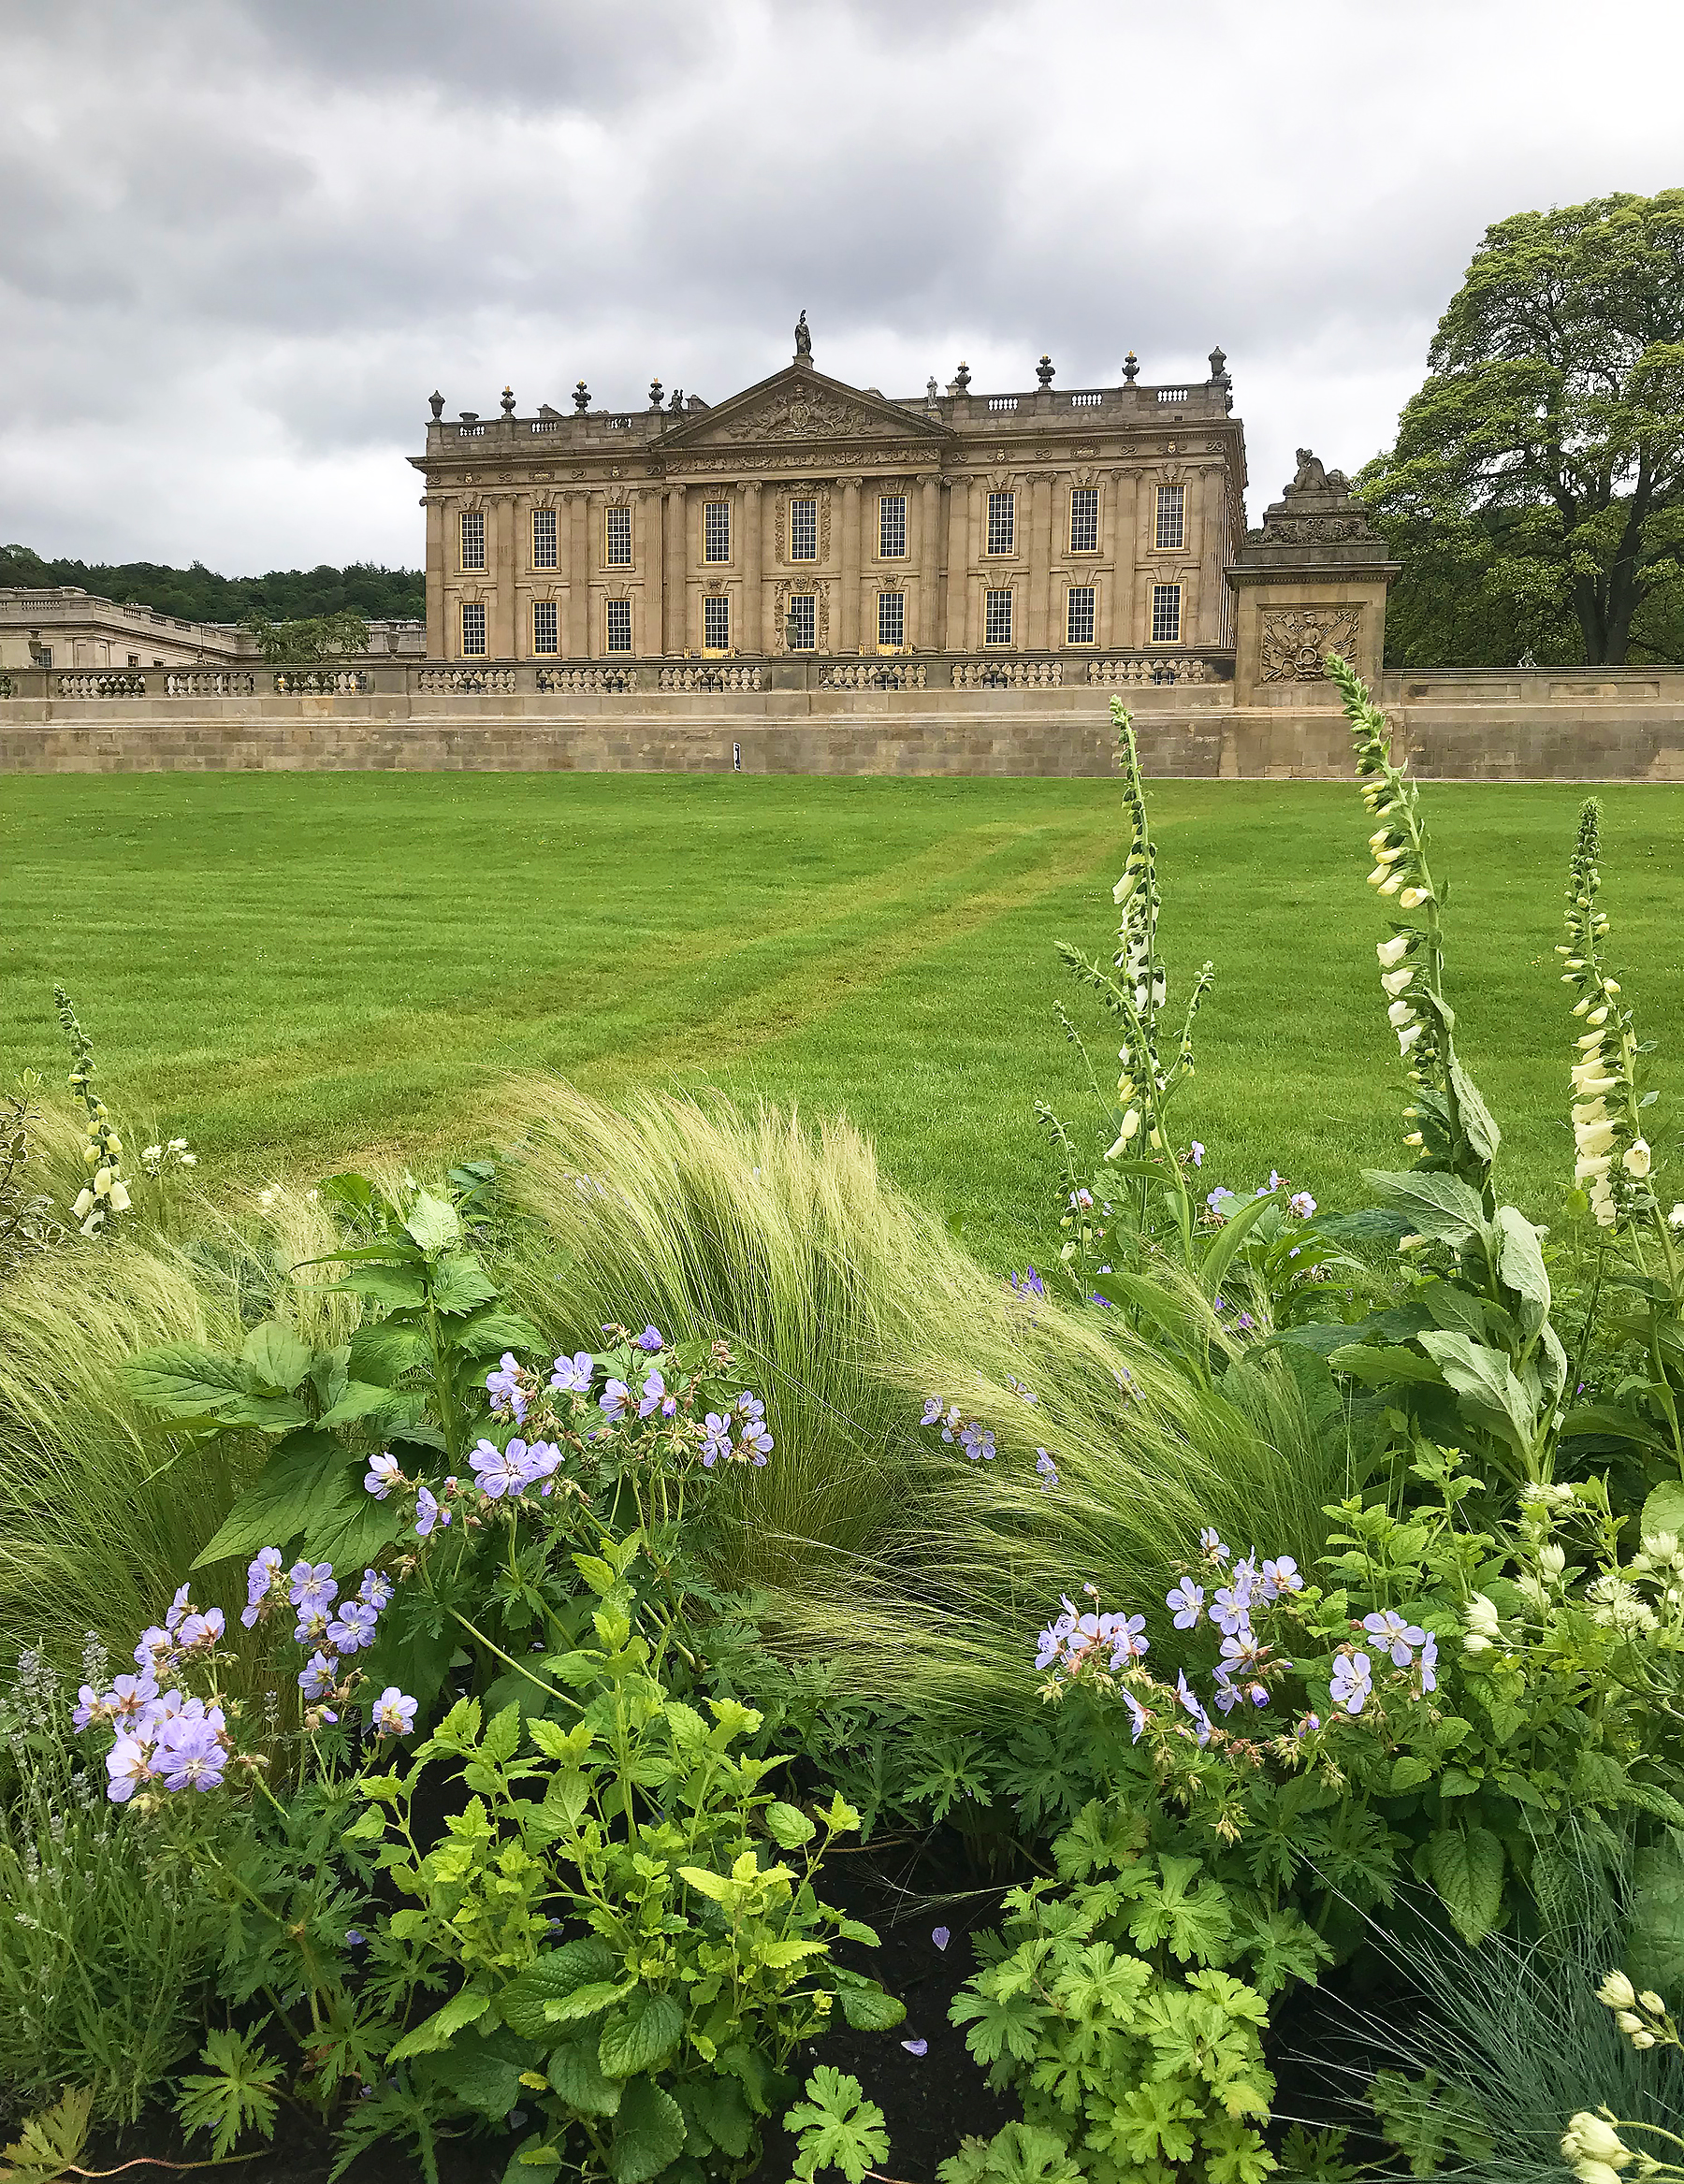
{"x": 240, "y": 240}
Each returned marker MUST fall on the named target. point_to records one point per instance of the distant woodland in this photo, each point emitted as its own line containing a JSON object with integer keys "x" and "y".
{"x": 200, "y": 594}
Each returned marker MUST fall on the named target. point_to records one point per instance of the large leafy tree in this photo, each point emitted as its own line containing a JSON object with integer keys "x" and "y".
{"x": 1535, "y": 496}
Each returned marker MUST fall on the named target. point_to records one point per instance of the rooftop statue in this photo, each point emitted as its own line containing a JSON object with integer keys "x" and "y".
{"x": 803, "y": 340}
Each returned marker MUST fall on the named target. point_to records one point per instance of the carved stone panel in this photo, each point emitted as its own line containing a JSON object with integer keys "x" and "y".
{"x": 1295, "y": 639}
{"x": 801, "y": 490}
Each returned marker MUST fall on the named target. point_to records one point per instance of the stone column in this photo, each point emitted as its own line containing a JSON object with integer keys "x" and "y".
{"x": 1114, "y": 530}
{"x": 578, "y": 574}
{"x": 958, "y": 563}
{"x": 647, "y": 553}
{"x": 752, "y": 635}
{"x": 974, "y": 603}
{"x": 673, "y": 587}
{"x": 502, "y": 634}
{"x": 1193, "y": 610}
{"x": 929, "y": 566}
{"x": 1040, "y": 546}
{"x": 848, "y": 639}
{"x": 436, "y": 647}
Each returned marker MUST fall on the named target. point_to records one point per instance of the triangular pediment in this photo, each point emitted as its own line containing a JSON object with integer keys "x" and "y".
{"x": 798, "y": 406}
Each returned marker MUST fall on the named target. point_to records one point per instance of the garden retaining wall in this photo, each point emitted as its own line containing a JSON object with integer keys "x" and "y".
{"x": 1619, "y": 723}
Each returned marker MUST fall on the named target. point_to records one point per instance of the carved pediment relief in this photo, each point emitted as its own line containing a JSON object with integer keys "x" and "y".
{"x": 802, "y": 405}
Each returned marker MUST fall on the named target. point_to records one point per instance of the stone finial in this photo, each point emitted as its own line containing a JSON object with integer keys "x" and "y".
{"x": 1131, "y": 369}
{"x": 436, "y": 403}
{"x": 1219, "y": 371}
{"x": 508, "y": 401}
{"x": 468, "y": 417}
{"x": 654, "y": 394}
{"x": 1043, "y": 370}
{"x": 581, "y": 397}
{"x": 962, "y": 377}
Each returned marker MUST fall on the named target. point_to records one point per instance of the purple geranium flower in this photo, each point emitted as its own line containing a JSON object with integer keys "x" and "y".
{"x": 572, "y": 1375}
{"x": 614, "y": 1399}
{"x": 978, "y": 1441}
{"x": 1400, "y": 1638}
{"x": 1201, "y": 1720}
{"x": 393, "y": 1714}
{"x": 190, "y": 1754}
{"x": 1137, "y": 1714}
{"x": 1188, "y": 1599}
{"x": 178, "y": 1608}
{"x": 1301, "y": 1203}
{"x": 655, "y": 1397}
{"x": 128, "y": 1764}
{"x": 1028, "y": 1283}
{"x": 1353, "y": 1681}
{"x": 1279, "y": 1576}
{"x": 260, "y": 1583}
{"x": 506, "y": 1387}
{"x": 375, "y": 1590}
{"x": 1196, "y": 1153}
{"x": 1048, "y": 1470}
{"x": 315, "y": 1678}
{"x": 310, "y": 1585}
{"x": 428, "y": 1512}
{"x": 383, "y": 1474}
{"x": 1428, "y": 1664}
{"x": 200, "y": 1632}
{"x": 353, "y": 1627}
{"x": 650, "y": 1340}
{"x": 496, "y": 1471}
{"x": 1124, "y": 1638}
{"x": 1211, "y": 1543}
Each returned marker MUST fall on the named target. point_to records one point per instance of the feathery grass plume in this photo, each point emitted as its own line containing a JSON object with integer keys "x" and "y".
{"x": 104, "y": 1192}
{"x": 1451, "y": 1128}
{"x": 1613, "y": 1159}
{"x": 26, "y": 1222}
{"x": 921, "y": 1573}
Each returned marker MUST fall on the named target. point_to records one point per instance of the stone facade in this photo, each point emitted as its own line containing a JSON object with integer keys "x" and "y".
{"x": 65, "y": 627}
{"x": 811, "y": 518}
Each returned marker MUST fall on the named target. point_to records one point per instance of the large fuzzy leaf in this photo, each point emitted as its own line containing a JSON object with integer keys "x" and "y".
{"x": 304, "y": 1483}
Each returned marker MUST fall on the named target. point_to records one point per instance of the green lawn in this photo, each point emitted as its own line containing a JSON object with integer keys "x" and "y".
{"x": 292, "y": 967}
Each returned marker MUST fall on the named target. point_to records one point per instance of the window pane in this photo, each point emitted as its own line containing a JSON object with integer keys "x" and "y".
{"x": 619, "y": 538}
{"x": 891, "y": 526}
{"x": 473, "y": 538}
{"x": 801, "y": 607}
{"x": 1079, "y": 618}
{"x": 997, "y": 621}
{"x": 891, "y": 618}
{"x": 619, "y": 625}
{"x": 1166, "y": 614}
{"x": 1002, "y": 522}
{"x": 716, "y": 625}
{"x": 543, "y": 538}
{"x": 1084, "y": 519}
{"x": 804, "y": 531}
{"x": 473, "y": 628}
{"x": 716, "y": 531}
{"x": 1171, "y": 515}
{"x": 545, "y": 626}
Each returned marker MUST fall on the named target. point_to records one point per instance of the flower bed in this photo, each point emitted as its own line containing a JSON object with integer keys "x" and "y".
{"x": 585, "y": 1627}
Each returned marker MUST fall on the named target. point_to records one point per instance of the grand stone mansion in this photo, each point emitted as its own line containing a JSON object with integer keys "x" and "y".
{"x": 807, "y": 517}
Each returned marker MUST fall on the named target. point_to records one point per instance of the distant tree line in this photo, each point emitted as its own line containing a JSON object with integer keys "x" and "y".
{"x": 200, "y": 594}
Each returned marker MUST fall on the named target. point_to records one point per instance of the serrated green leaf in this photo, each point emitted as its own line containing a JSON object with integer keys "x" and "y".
{"x": 386, "y": 1349}
{"x": 276, "y": 1356}
{"x": 648, "y": 2133}
{"x": 869, "y": 2008}
{"x": 484, "y": 2073}
{"x": 1466, "y": 1868}
{"x": 433, "y": 1222}
{"x": 360, "y": 1400}
{"x": 460, "y": 1283}
{"x": 435, "y": 2031}
{"x": 1433, "y": 1204}
{"x": 789, "y": 1825}
{"x": 306, "y": 1478}
{"x": 1663, "y": 1511}
{"x": 393, "y": 1286}
{"x": 578, "y": 2075}
{"x": 184, "y": 1379}
{"x": 557, "y": 1974}
{"x": 641, "y": 2036}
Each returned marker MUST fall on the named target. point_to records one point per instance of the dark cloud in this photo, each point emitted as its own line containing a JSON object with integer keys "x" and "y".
{"x": 244, "y": 239}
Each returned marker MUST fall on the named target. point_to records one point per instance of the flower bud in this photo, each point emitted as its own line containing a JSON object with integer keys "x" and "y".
{"x": 1617, "y": 1991}
{"x": 1412, "y": 898}
{"x": 1652, "y": 2003}
{"x": 113, "y": 1143}
{"x": 1628, "y": 2020}
{"x": 1644, "y": 2039}
{"x": 1552, "y": 1560}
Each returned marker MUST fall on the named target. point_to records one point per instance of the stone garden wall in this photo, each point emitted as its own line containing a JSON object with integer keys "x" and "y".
{"x": 1620, "y": 724}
